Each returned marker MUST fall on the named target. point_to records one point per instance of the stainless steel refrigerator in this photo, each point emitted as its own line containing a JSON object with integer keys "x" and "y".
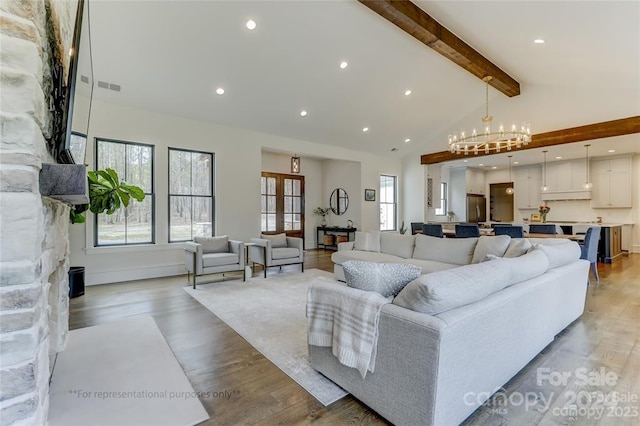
{"x": 476, "y": 208}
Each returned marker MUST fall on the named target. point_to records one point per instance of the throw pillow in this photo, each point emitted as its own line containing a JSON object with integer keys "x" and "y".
{"x": 367, "y": 241}
{"x": 561, "y": 254}
{"x": 444, "y": 290}
{"x": 385, "y": 278}
{"x": 213, "y": 244}
{"x": 277, "y": 240}
{"x": 490, "y": 245}
{"x": 517, "y": 247}
{"x": 397, "y": 244}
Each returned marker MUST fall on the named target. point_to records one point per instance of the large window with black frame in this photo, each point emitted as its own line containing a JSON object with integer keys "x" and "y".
{"x": 134, "y": 164}
{"x": 191, "y": 194}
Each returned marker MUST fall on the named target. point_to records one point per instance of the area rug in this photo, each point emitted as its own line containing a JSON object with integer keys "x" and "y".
{"x": 121, "y": 373}
{"x": 270, "y": 315}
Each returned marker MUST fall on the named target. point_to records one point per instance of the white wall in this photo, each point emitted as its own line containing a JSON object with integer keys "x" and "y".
{"x": 348, "y": 176}
{"x": 414, "y": 193}
{"x": 239, "y": 160}
{"x": 458, "y": 193}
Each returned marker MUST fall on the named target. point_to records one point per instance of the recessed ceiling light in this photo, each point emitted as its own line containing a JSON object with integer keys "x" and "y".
{"x": 538, "y": 41}
{"x": 251, "y": 24}
{"x": 343, "y": 65}
{"x": 303, "y": 113}
{"x": 407, "y": 92}
{"x": 365, "y": 129}
{"x": 394, "y": 149}
{"x": 407, "y": 140}
{"x": 612, "y": 150}
{"x": 516, "y": 162}
{"x": 558, "y": 158}
{"x": 480, "y": 164}
{"x": 220, "y": 91}
{"x": 465, "y": 161}
{"x": 494, "y": 167}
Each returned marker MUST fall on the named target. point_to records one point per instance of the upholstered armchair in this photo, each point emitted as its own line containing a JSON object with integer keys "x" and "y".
{"x": 277, "y": 250}
{"x": 214, "y": 255}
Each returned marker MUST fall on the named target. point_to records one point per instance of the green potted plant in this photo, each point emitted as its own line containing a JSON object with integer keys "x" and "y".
{"x": 107, "y": 193}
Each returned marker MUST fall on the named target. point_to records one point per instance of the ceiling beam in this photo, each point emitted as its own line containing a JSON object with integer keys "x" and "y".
{"x": 417, "y": 23}
{"x": 606, "y": 129}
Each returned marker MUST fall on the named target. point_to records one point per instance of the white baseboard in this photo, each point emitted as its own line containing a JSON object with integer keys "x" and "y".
{"x": 107, "y": 277}
{"x": 635, "y": 248}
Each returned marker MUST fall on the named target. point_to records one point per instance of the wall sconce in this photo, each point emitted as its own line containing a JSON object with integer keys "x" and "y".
{"x": 295, "y": 164}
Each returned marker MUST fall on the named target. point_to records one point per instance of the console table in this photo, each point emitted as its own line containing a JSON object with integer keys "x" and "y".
{"x": 332, "y": 230}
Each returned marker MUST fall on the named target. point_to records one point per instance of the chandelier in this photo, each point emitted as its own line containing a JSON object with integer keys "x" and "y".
{"x": 488, "y": 140}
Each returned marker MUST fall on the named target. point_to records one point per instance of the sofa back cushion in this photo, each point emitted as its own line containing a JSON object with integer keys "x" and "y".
{"x": 397, "y": 244}
{"x": 213, "y": 244}
{"x": 441, "y": 291}
{"x": 560, "y": 254}
{"x": 517, "y": 247}
{"x": 385, "y": 278}
{"x": 444, "y": 290}
{"x": 277, "y": 240}
{"x": 496, "y": 246}
{"x": 458, "y": 251}
{"x": 367, "y": 241}
{"x": 526, "y": 267}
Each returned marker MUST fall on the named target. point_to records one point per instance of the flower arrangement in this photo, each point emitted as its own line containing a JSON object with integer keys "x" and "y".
{"x": 319, "y": 211}
{"x": 322, "y": 211}
{"x": 543, "y": 210}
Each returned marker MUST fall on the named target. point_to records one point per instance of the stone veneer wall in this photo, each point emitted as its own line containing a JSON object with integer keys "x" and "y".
{"x": 34, "y": 248}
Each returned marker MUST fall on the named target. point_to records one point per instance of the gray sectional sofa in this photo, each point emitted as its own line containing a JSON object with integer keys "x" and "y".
{"x": 438, "y": 368}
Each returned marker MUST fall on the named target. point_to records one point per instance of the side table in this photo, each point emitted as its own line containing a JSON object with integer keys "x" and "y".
{"x": 248, "y": 269}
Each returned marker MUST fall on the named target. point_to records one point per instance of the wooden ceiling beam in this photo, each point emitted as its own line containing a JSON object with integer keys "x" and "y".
{"x": 417, "y": 23}
{"x": 606, "y": 129}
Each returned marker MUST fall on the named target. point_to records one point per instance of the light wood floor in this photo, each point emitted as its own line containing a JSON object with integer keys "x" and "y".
{"x": 216, "y": 359}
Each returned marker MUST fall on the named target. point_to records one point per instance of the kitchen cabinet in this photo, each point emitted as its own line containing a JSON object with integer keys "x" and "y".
{"x": 610, "y": 245}
{"x": 475, "y": 180}
{"x": 611, "y": 180}
{"x": 565, "y": 180}
{"x": 528, "y": 181}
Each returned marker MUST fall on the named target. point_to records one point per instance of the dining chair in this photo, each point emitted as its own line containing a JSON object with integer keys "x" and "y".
{"x": 432, "y": 229}
{"x": 547, "y": 228}
{"x": 590, "y": 249}
{"x": 415, "y": 227}
{"x": 467, "y": 230}
{"x": 512, "y": 231}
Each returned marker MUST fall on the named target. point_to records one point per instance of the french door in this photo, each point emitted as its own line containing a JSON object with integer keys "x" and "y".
{"x": 282, "y": 198}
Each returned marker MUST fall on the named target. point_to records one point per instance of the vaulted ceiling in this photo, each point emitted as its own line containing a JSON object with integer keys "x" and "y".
{"x": 170, "y": 56}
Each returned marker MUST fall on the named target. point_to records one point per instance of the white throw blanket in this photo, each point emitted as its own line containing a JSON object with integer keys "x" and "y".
{"x": 345, "y": 319}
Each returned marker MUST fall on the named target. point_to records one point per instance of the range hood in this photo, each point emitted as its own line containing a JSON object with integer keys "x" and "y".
{"x": 565, "y": 195}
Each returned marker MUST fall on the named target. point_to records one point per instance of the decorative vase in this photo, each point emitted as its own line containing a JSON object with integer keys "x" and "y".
{"x": 543, "y": 217}
{"x": 323, "y": 222}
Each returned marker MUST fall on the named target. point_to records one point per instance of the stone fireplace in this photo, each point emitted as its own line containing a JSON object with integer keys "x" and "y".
{"x": 34, "y": 243}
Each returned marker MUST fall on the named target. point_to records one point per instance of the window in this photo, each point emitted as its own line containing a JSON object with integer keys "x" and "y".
{"x": 388, "y": 204}
{"x": 190, "y": 194}
{"x": 134, "y": 164}
{"x": 442, "y": 210}
{"x": 282, "y": 200}
{"x": 78, "y": 145}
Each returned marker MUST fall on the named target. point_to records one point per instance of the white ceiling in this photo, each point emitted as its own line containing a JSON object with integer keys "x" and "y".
{"x": 170, "y": 56}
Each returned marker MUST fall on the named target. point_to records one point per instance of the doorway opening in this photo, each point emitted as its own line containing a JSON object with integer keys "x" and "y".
{"x": 500, "y": 203}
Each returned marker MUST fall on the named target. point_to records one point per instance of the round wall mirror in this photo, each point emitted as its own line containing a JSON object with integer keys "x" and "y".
{"x": 339, "y": 201}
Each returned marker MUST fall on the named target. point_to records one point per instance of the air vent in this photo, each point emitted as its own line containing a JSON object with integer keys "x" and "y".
{"x": 110, "y": 86}
{"x": 84, "y": 79}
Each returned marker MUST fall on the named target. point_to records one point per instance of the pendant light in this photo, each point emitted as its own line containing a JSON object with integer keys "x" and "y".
{"x": 510, "y": 190}
{"x": 295, "y": 164}
{"x": 587, "y": 182}
{"x": 544, "y": 188}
